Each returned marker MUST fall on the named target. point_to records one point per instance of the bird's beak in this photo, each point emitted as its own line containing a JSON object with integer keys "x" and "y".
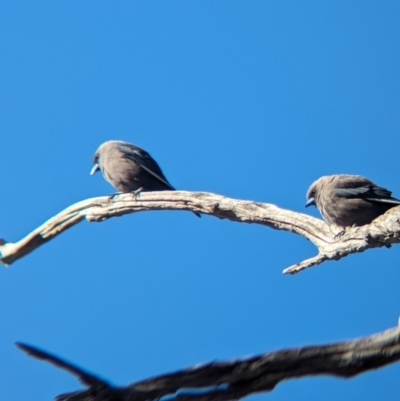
{"x": 94, "y": 169}
{"x": 310, "y": 202}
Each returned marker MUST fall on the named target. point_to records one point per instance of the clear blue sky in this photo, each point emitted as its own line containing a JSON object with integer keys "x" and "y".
{"x": 249, "y": 99}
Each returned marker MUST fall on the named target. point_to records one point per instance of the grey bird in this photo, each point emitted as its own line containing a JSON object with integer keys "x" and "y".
{"x": 129, "y": 168}
{"x": 349, "y": 200}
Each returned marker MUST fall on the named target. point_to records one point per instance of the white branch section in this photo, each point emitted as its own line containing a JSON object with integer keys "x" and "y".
{"x": 383, "y": 231}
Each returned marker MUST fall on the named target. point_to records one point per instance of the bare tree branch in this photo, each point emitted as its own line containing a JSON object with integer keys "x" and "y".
{"x": 383, "y": 231}
{"x": 235, "y": 379}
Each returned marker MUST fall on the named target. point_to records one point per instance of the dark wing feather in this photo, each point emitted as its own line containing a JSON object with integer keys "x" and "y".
{"x": 84, "y": 377}
{"x": 393, "y": 201}
{"x": 369, "y": 192}
{"x": 382, "y": 192}
{"x": 144, "y": 160}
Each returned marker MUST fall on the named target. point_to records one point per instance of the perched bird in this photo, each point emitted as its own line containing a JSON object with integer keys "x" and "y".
{"x": 129, "y": 168}
{"x": 349, "y": 200}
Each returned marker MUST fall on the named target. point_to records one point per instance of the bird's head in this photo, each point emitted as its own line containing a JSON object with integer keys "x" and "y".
{"x": 105, "y": 151}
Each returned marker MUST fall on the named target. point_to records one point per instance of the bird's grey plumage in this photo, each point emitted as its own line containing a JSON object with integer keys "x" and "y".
{"x": 349, "y": 200}
{"x": 129, "y": 168}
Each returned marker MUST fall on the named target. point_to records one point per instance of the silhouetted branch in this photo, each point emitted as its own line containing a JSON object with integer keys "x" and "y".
{"x": 382, "y": 232}
{"x": 235, "y": 379}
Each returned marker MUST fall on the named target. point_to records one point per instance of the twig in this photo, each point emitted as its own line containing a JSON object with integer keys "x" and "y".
{"x": 235, "y": 379}
{"x": 384, "y": 231}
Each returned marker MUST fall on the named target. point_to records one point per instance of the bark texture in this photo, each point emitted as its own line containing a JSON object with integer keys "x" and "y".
{"x": 235, "y": 379}
{"x": 384, "y": 231}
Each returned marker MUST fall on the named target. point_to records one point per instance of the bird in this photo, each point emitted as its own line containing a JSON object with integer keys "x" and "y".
{"x": 349, "y": 200}
{"x": 129, "y": 168}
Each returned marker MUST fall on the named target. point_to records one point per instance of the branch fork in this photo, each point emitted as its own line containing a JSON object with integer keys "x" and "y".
{"x": 384, "y": 231}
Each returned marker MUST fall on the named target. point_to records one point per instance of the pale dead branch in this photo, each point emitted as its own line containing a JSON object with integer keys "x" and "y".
{"x": 384, "y": 231}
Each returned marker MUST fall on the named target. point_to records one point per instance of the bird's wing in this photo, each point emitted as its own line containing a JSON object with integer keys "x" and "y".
{"x": 360, "y": 187}
{"x": 84, "y": 377}
{"x": 144, "y": 160}
{"x": 356, "y": 192}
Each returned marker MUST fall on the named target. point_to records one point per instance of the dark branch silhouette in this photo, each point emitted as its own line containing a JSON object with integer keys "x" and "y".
{"x": 235, "y": 379}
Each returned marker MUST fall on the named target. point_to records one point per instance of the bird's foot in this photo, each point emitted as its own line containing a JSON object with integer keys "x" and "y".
{"x": 340, "y": 234}
{"x": 136, "y": 193}
{"x": 112, "y": 196}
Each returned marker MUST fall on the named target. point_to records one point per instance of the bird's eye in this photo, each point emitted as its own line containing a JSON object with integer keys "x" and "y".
{"x": 96, "y": 158}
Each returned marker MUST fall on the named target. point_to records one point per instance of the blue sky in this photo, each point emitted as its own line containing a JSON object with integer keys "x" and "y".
{"x": 253, "y": 100}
